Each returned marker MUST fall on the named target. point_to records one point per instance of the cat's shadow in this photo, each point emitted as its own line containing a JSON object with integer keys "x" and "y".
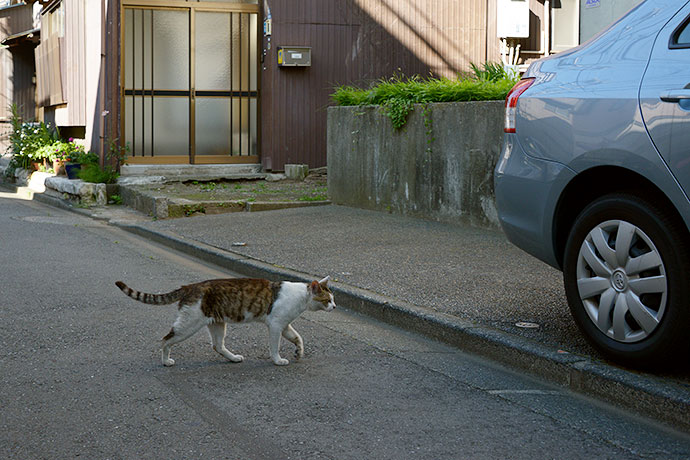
{"x": 249, "y": 365}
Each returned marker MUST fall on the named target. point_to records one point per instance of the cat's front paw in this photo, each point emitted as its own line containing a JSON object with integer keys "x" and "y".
{"x": 281, "y": 362}
{"x": 299, "y": 353}
{"x": 168, "y": 362}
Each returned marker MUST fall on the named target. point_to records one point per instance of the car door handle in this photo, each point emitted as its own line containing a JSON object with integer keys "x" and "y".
{"x": 675, "y": 96}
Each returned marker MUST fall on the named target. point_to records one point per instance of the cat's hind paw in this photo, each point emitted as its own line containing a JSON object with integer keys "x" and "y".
{"x": 281, "y": 362}
{"x": 299, "y": 354}
{"x": 168, "y": 362}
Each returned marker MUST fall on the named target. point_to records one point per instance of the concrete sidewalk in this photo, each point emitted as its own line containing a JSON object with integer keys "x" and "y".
{"x": 462, "y": 285}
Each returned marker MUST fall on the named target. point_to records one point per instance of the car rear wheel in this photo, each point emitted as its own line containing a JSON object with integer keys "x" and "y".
{"x": 625, "y": 268}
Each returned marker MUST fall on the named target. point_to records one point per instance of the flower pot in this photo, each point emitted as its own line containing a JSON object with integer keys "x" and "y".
{"x": 72, "y": 169}
{"x": 59, "y": 167}
{"x": 40, "y": 165}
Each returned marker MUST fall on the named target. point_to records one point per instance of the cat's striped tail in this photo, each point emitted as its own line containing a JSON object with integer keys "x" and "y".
{"x": 153, "y": 299}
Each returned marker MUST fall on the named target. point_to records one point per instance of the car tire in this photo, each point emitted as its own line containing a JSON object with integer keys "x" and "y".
{"x": 633, "y": 304}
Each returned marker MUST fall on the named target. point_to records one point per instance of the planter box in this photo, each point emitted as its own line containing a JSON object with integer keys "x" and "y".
{"x": 439, "y": 166}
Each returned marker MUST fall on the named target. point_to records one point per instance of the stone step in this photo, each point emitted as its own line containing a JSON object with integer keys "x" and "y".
{"x": 189, "y": 172}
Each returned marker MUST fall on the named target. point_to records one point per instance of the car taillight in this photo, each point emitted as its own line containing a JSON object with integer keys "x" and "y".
{"x": 511, "y": 103}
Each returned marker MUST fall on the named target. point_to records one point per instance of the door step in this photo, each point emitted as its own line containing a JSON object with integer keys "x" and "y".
{"x": 193, "y": 172}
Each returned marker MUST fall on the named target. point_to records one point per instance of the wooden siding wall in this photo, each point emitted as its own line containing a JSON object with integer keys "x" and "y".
{"x": 42, "y": 74}
{"x": 5, "y": 131}
{"x": 16, "y": 64}
{"x": 48, "y": 74}
{"x": 48, "y": 64}
{"x": 73, "y": 63}
{"x": 6, "y": 87}
{"x": 14, "y": 20}
{"x": 357, "y": 42}
{"x": 24, "y": 90}
{"x": 109, "y": 121}
{"x": 61, "y": 64}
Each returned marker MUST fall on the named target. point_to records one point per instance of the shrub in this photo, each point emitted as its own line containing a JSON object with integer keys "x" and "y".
{"x": 397, "y": 95}
{"x": 491, "y": 71}
{"x": 33, "y": 137}
{"x": 59, "y": 150}
{"x": 92, "y": 172}
{"x": 116, "y": 152}
{"x": 82, "y": 157}
{"x": 115, "y": 199}
{"x": 29, "y": 139}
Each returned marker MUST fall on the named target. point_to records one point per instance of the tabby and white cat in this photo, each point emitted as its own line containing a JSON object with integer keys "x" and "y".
{"x": 213, "y": 303}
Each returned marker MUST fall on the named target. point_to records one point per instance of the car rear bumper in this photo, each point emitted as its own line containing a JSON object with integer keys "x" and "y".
{"x": 526, "y": 188}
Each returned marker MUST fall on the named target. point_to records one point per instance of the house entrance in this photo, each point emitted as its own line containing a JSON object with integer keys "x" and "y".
{"x": 190, "y": 82}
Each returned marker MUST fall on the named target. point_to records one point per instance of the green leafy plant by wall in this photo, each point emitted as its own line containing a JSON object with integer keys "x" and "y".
{"x": 28, "y": 140}
{"x": 38, "y": 141}
{"x": 82, "y": 157}
{"x": 397, "y": 95}
{"x": 92, "y": 172}
{"x": 117, "y": 154}
{"x": 67, "y": 151}
{"x": 490, "y": 71}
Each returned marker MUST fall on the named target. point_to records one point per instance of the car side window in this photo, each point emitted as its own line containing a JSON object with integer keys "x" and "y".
{"x": 681, "y": 37}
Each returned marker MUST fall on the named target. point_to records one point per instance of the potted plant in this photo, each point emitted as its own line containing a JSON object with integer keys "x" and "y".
{"x": 75, "y": 156}
{"x": 50, "y": 154}
{"x": 58, "y": 152}
{"x": 33, "y": 140}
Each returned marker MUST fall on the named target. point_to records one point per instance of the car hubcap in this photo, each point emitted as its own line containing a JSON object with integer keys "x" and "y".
{"x": 621, "y": 280}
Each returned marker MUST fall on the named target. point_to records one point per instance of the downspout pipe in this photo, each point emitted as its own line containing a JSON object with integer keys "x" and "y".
{"x": 101, "y": 85}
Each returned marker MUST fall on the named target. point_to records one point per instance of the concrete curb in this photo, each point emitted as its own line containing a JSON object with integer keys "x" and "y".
{"x": 180, "y": 207}
{"x": 628, "y": 390}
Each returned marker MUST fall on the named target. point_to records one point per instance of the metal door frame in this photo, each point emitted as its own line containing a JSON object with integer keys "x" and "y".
{"x": 193, "y": 7}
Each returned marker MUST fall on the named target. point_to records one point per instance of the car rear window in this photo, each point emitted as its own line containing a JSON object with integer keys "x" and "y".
{"x": 681, "y": 37}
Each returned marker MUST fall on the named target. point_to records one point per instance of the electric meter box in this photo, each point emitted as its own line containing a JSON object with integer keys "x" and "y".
{"x": 294, "y": 56}
{"x": 512, "y": 19}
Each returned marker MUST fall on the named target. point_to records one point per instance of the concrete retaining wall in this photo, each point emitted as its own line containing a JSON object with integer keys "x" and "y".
{"x": 439, "y": 166}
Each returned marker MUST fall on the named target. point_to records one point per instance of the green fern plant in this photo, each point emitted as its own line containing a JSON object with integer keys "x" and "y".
{"x": 92, "y": 172}
{"x": 397, "y": 95}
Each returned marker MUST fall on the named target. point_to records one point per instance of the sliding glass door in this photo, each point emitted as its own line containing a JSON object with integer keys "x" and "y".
{"x": 191, "y": 83}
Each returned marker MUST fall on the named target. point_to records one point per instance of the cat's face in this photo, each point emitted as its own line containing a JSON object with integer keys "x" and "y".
{"x": 321, "y": 296}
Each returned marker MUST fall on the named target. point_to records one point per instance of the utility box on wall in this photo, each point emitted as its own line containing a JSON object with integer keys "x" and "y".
{"x": 512, "y": 19}
{"x": 294, "y": 56}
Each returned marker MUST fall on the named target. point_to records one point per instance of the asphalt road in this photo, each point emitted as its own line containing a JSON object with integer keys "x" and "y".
{"x": 80, "y": 373}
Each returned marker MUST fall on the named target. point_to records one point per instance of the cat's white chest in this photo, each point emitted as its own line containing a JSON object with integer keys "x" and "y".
{"x": 291, "y": 301}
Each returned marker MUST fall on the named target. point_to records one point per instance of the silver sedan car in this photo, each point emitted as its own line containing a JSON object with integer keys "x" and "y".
{"x": 594, "y": 178}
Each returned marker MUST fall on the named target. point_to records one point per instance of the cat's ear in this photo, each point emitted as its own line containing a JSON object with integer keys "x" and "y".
{"x": 325, "y": 280}
{"x": 315, "y": 287}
